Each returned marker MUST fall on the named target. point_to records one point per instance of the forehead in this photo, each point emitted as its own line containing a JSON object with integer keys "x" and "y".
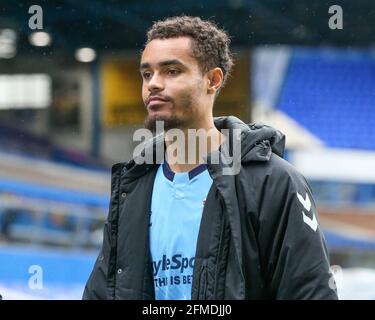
{"x": 159, "y": 50}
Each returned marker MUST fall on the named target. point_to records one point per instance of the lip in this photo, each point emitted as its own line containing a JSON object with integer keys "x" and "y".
{"x": 155, "y": 100}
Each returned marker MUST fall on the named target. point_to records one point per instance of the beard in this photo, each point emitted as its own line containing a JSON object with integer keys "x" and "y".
{"x": 173, "y": 121}
{"x": 169, "y": 122}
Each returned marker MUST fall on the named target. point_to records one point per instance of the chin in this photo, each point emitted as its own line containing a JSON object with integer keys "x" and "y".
{"x": 169, "y": 122}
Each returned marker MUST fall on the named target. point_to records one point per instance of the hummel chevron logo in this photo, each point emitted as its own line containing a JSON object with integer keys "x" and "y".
{"x": 305, "y": 202}
{"x": 312, "y": 223}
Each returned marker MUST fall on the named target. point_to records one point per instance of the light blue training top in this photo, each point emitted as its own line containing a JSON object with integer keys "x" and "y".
{"x": 176, "y": 211}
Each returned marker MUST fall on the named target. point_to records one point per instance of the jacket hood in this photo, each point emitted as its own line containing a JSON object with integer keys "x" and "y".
{"x": 258, "y": 140}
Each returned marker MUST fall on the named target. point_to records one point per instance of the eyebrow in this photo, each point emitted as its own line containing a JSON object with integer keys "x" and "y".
{"x": 162, "y": 64}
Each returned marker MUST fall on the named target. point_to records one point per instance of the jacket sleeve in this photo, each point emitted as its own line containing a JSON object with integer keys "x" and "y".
{"x": 293, "y": 250}
{"x": 96, "y": 286}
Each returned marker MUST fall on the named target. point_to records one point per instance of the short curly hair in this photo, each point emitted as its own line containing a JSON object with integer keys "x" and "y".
{"x": 210, "y": 45}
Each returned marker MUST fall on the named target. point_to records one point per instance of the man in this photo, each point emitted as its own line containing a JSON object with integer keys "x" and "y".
{"x": 185, "y": 229}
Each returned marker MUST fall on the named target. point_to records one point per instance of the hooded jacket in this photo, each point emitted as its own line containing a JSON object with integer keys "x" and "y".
{"x": 259, "y": 236}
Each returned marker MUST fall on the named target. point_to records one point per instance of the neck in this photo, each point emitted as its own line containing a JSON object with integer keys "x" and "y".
{"x": 186, "y": 149}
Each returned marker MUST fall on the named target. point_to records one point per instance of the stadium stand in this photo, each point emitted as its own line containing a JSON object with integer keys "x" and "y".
{"x": 331, "y": 92}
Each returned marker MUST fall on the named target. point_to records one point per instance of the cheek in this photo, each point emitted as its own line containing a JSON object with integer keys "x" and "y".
{"x": 182, "y": 94}
{"x": 145, "y": 92}
{"x": 144, "y": 89}
{"x": 185, "y": 89}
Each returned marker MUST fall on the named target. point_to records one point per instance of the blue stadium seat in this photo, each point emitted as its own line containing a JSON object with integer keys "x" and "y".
{"x": 332, "y": 94}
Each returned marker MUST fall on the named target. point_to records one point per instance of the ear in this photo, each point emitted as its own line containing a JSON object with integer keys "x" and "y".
{"x": 215, "y": 80}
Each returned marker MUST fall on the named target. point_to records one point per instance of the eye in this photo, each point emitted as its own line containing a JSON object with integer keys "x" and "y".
{"x": 146, "y": 75}
{"x": 173, "y": 72}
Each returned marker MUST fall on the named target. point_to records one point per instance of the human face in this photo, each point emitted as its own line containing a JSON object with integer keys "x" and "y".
{"x": 173, "y": 87}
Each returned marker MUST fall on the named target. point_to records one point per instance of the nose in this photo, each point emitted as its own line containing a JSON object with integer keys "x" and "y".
{"x": 155, "y": 84}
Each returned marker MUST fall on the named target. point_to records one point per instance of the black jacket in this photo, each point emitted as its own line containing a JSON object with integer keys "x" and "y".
{"x": 258, "y": 237}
